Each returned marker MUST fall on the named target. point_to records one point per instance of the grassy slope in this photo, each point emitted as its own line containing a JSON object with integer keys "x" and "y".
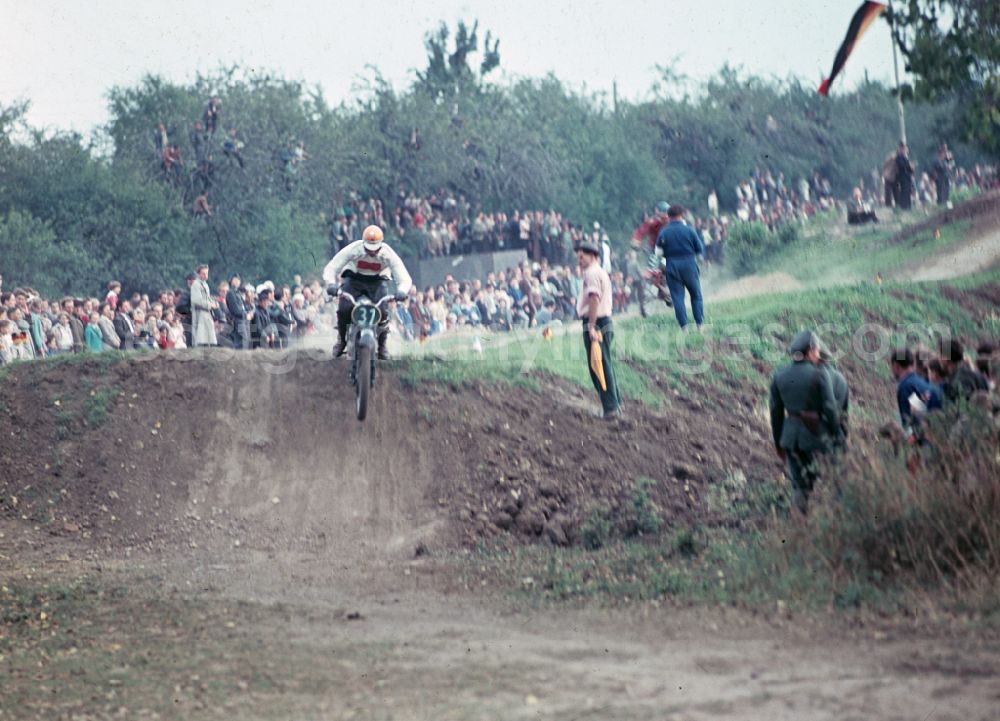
{"x": 833, "y": 254}
{"x": 739, "y": 332}
{"x": 745, "y": 341}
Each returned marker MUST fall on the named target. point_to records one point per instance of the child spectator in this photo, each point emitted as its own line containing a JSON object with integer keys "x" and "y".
{"x": 114, "y": 289}
{"x": 7, "y": 350}
{"x": 175, "y": 330}
{"x": 163, "y": 340}
{"x": 92, "y": 334}
{"x": 63, "y": 335}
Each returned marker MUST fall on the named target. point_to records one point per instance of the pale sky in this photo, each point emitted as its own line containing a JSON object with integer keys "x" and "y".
{"x": 64, "y": 55}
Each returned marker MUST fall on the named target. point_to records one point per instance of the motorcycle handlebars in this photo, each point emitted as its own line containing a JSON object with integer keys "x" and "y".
{"x": 383, "y": 299}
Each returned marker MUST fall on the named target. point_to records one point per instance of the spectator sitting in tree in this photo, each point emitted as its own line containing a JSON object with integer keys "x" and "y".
{"x": 161, "y": 138}
{"x": 172, "y": 162}
{"x": 198, "y": 142}
{"x": 233, "y": 147}
{"x": 201, "y": 206}
{"x": 211, "y": 116}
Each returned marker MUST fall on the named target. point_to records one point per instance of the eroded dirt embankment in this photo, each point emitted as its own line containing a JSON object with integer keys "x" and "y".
{"x": 214, "y": 449}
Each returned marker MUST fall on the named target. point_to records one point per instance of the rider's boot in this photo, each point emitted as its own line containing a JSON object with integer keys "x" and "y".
{"x": 341, "y": 345}
{"x": 382, "y": 352}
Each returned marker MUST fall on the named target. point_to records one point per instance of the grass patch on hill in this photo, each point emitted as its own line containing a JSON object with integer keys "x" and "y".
{"x": 832, "y": 259}
{"x": 743, "y": 338}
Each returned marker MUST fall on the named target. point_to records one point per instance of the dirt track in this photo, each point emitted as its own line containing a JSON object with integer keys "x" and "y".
{"x": 310, "y": 635}
{"x": 979, "y": 252}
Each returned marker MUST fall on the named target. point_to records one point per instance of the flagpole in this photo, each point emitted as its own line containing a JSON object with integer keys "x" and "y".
{"x": 895, "y": 65}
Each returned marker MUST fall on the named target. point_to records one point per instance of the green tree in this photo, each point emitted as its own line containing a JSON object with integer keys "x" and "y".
{"x": 32, "y": 256}
{"x": 450, "y": 72}
{"x": 953, "y": 49}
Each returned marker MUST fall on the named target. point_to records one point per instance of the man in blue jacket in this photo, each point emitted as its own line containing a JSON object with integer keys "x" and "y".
{"x": 679, "y": 244}
{"x": 914, "y": 395}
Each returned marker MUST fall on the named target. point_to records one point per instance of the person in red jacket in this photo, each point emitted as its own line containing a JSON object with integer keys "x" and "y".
{"x": 644, "y": 239}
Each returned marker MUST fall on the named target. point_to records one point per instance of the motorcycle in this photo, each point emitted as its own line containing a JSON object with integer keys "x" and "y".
{"x": 365, "y": 318}
{"x": 649, "y": 285}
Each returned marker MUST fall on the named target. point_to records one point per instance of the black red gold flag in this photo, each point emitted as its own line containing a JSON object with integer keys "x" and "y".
{"x": 861, "y": 21}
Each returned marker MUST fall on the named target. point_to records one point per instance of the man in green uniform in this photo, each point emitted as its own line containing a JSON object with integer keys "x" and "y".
{"x": 804, "y": 417}
{"x": 840, "y": 395}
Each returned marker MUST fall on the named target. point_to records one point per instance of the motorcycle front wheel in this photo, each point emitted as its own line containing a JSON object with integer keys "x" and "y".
{"x": 363, "y": 380}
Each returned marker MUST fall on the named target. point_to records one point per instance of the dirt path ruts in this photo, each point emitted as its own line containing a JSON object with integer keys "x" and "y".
{"x": 308, "y": 636}
{"x": 972, "y": 257}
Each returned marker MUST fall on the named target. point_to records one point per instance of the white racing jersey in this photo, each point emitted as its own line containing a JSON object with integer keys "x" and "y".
{"x": 385, "y": 264}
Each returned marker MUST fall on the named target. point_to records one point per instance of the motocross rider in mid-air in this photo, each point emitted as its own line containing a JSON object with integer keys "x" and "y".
{"x": 362, "y": 269}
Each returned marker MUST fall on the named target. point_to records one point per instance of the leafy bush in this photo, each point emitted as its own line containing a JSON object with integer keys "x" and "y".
{"x": 925, "y": 518}
{"x": 748, "y": 244}
{"x": 596, "y": 530}
{"x": 638, "y": 517}
{"x": 642, "y": 517}
{"x": 788, "y": 232}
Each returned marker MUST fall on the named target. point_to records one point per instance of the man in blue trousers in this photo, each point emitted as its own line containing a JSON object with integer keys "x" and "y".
{"x": 679, "y": 243}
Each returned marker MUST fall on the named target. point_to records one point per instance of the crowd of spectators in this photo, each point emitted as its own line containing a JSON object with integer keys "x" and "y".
{"x": 928, "y": 380}
{"x": 243, "y": 316}
{"x": 447, "y": 224}
{"x": 925, "y": 185}
{"x": 528, "y": 295}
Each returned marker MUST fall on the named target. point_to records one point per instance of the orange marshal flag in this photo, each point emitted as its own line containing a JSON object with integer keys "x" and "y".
{"x": 597, "y": 359}
{"x": 861, "y": 21}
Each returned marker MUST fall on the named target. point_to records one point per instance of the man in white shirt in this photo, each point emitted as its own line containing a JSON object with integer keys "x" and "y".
{"x": 594, "y": 308}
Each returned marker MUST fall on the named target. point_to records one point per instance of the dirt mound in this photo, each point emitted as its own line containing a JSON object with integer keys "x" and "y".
{"x": 983, "y": 210}
{"x": 204, "y": 450}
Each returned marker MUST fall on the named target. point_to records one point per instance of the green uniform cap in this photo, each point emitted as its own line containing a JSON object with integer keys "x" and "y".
{"x": 802, "y": 342}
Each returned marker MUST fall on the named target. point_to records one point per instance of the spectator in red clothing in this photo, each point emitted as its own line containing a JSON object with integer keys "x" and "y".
{"x": 649, "y": 231}
{"x": 163, "y": 339}
{"x": 114, "y": 289}
{"x": 171, "y": 161}
{"x": 201, "y": 206}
